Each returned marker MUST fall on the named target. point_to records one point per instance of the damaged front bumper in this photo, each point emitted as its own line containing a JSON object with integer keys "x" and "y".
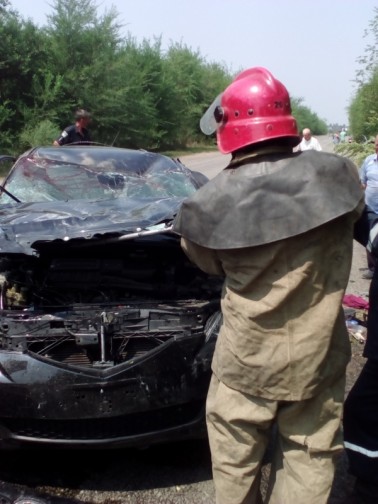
{"x": 139, "y": 377}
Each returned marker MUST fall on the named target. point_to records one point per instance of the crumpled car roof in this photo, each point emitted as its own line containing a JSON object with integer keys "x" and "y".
{"x": 86, "y": 192}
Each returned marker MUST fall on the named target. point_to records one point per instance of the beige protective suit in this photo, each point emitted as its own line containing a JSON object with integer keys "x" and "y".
{"x": 283, "y": 348}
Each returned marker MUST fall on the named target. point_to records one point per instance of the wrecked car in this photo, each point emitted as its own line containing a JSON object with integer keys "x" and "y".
{"x": 106, "y": 329}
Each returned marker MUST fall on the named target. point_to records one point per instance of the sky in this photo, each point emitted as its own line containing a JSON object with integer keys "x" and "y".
{"x": 311, "y": 47}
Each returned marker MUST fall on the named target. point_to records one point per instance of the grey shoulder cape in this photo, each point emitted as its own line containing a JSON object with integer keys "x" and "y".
{"x": 270, "y": 198}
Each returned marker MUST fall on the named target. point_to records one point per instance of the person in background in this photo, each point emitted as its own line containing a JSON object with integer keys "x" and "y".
{"x": 369, "y": 181}
{"x": 308, "y": 141}
{"x": 77, "y": 132}
{"x": 360, "y": 418}
{"x": 336, "y": 138}
{"x": 265, "y": 224}
{"x": 343, "y": 135}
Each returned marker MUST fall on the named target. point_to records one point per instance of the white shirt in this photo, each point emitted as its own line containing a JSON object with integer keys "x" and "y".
{"x": 312, "y": 144}
{"x": 369, "y": 177}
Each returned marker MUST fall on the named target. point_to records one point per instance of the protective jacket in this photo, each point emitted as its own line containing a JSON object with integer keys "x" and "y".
{"x": 273, "y": 225}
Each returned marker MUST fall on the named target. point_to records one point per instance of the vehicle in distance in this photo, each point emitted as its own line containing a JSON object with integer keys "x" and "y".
{"x": 107, "y": 330}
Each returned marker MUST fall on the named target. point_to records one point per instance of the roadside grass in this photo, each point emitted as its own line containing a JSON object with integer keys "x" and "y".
{"x": 357, "y": 152}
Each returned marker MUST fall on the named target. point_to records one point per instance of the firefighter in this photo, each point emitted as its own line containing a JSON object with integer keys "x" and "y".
{"x": 278, "y": 226}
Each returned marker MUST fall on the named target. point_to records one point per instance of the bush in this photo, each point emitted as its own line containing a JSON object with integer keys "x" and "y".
{"x": 44, "y": 133}
{"x": 355, "y": 151}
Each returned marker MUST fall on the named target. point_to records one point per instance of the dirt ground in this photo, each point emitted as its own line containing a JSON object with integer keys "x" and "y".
{"x": 359, "y": 287}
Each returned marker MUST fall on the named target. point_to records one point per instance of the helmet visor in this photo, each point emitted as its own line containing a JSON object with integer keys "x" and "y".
{"x": 209, "y": 123}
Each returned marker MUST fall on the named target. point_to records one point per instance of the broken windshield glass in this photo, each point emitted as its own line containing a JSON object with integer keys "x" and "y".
{"x": 37, "y": 179}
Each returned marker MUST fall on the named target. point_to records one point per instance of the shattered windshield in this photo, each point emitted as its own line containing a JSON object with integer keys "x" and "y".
{"x": 96, "y": 174}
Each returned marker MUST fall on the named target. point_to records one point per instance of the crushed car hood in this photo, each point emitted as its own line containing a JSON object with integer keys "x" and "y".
{"x": 25, "y": 224}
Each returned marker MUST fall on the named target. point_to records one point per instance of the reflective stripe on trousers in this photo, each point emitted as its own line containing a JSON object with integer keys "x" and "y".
{"x": 361, "y": 424}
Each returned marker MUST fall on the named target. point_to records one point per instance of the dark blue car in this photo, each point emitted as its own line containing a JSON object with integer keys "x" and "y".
{"x": 106, "y": 329}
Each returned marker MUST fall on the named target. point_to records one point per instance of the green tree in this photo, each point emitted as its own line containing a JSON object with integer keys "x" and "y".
{"x": 368, "y": 61}
{"x": 130, "y": 103}
{"x": 306, "y": 118}
{"x": 22, "y": 61}
{"x": 82, "y": 54}
{"x": 193, "y": 86}
{"x": 363, "y": 110}
{"x": 140, "y": 96}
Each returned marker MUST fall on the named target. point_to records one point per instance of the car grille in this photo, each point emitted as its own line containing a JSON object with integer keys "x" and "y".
{"x": 107, "y": 428}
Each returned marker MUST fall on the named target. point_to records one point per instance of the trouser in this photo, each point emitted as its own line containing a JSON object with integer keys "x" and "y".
{"x": 361, "y": 425}
{"x": 370, "y": 260}
{"x": 308, "y": 439}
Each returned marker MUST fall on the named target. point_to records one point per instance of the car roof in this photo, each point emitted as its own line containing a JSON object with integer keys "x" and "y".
{"x": 104, "y": 157}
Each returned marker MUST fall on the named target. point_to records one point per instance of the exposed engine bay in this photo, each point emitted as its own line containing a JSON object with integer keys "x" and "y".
{"x": 93, "y": 304}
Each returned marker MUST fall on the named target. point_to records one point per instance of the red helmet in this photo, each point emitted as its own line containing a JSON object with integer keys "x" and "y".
{"x": 253, "y": 108}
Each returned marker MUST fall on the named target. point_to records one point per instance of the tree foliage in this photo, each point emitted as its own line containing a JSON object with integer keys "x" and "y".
{"x": 363, "y": 110}
{"x": 140, "y": 96}
{"x": 306, "y": 118}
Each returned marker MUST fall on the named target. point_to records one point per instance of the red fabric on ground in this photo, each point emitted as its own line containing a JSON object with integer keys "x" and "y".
{"x": 355, "y": 302}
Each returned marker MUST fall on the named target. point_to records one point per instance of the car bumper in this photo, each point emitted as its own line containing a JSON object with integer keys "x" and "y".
{"x": 158, "y": 398}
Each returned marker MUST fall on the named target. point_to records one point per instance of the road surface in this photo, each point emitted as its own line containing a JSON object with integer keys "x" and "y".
{"x": 210, "y": 163}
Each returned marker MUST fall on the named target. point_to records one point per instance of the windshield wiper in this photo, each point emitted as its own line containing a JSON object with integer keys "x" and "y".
{"x": 2, "y": 189}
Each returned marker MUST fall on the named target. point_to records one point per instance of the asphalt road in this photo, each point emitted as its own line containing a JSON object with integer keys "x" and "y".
{"x": 210, "y": 163}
